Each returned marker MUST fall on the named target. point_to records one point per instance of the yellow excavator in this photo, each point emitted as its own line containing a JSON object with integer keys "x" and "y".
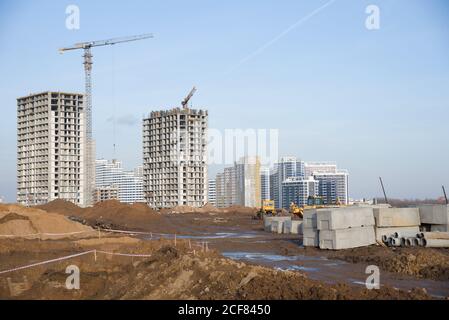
{"x": 267, "y": 208}
{"x": 296, "y": 211}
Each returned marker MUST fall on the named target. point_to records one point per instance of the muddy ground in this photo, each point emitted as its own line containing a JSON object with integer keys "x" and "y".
{"x": 172, "y": 272}
{"x": 281, "y": 267}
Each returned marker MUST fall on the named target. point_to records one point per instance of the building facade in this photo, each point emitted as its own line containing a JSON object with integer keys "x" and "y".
{"x": 212, "y": 192}
{"x": 265, "y": 183}
{"x": 175, "y": 158}
{"x": 298, "y": 190}
{"x": 51, "y": 149}
{"x": 128, "y": 183}
{"x": 333, "y": 186}
{"x": 240, "y": 184}
{"x": 102, "y": 194}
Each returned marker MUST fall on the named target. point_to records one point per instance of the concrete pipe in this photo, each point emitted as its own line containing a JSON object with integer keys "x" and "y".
{"x": 394, "y": 242}
{"x": 436, "y": 235}
{"x": 385, "y": 239}
{"x": 416, "y": 242}
{"x": 402, "y": 241}
{"x": 436, "y": 243}
{"x": 421, "y": 242}
{"x": 410, "y": 242}
{"x": 405, "y": 234}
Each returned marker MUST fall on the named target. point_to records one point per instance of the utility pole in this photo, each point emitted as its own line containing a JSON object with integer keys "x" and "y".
{"x": 383, "y": 189}
{"x": 445, "y": 195}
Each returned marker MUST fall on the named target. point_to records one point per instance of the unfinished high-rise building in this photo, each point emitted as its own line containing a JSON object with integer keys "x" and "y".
{"x": 175, "y": 158}
{"x": 50, "y": 148}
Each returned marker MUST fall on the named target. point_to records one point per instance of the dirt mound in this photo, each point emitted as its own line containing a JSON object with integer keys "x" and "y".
{"x": 19, "y": 221}
{"x": 428, "y": 263}
{"x": 173, "y": 273}
{"x": 62, "y": 206}
{"x": 115, "y": 213}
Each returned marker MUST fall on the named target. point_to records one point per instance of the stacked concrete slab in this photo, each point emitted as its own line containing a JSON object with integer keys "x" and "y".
{"x": 437, "y": 216}
{"x": 310, "y": 237}
{"x": 344, "y": 228}
{"x": 276, "y": 224}
{"x": 403, "y": 222}
{"x": 293, "y": 227}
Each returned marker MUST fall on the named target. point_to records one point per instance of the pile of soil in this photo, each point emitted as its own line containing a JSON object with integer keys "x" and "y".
{"x": 20, "y": 221}
{"x": 428, "y": 263}
{"x": 63, "y": 207}
{"x": 170, "y": 273}
{"x": 111, "y": 214}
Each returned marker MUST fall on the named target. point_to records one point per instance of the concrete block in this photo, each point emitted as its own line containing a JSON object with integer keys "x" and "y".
{"x": 434, "y": 214}
{"x": 389, "y": 231}
{"x": 310, "y": 237}
{"x": 343, "y": 218}
{"x": 287, "y": 227}
{"x": 347, "y": 238}
{"x": 439, "y": 227}
{"x": 277, "y": 226}
{"x": 267, "y": 220}
{"x": 309, "y": 219}
{"x": 296, "y": 226}
{"x": 397, "y": 217}
{"x": 267, "y": 223}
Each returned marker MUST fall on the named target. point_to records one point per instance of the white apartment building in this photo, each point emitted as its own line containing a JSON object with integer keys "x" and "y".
{"x": 51, "y": 148}
{"x": 112, "y": 174}
{"x": 319, "y": 166}
{"x": 333, "y": 186}
{"x": 298, "y": 190}
{"x": 240, "y": 184}
{"x": 265, "y": 183}
{"x": 212, "y": 192}
{"x": 175, "y": 158}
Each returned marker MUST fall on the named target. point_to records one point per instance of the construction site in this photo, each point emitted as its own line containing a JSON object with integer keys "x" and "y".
{"x": 286, "y": 233}
{"x": 134, "y": 252}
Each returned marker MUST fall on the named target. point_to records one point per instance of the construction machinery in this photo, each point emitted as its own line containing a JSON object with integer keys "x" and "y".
{"x": 267, "y": 208}
{"x": 296, "y": 210}
{"x": 189, "y": 96}
{"x": 89, "y": 154}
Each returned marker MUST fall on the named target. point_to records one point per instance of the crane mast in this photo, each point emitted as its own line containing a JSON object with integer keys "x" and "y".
{"x": 89, "y": 154}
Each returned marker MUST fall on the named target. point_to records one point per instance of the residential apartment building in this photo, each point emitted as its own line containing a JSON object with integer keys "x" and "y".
{"x": 51, "y": 149}
{"x": 264, "y": 183}
{"x": 295, "y": 175}
{"x": 240, "y": 184}
{"x": 298, "y": 190}
{"x": 129, "y": 183}
{"x": 212, "y": 192}
{"x": 102, "y": 194}
{"x": 333, "y": 186}
{"x": 288, "y": 167}
{"x": 175, "y": 158}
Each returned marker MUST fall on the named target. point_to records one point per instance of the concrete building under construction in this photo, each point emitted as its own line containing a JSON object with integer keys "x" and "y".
{"x": 50, "y": 148}
{"x": 175, "y": 158}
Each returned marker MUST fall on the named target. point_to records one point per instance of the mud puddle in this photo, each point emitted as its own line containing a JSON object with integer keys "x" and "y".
{"x": 336, "y": 271}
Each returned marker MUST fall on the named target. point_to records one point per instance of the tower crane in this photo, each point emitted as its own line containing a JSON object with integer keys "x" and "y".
{"x": 189, "y": 96}
{"x": 89, "y": 154}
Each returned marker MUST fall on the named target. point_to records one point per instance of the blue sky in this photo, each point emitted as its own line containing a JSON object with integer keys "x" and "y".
{"x": 377, "y": 102}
